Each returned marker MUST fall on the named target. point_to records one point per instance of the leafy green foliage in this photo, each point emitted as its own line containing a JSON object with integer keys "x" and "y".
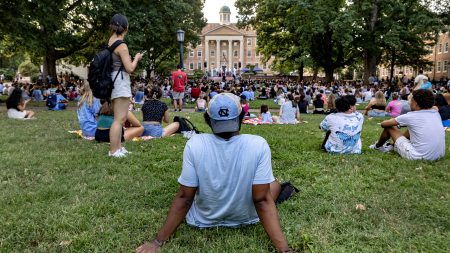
{"x": 27, "y": 68}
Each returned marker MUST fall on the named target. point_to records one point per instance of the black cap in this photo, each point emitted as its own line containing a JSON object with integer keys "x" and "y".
{"x": 119, "y": 20}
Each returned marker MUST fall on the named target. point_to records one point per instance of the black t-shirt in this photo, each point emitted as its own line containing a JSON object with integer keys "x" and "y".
{"x": 318, "y": 103}
{"x": 153, "y": 110}
{"x": 444, "y": 111}
{"x": 303, "y": 106}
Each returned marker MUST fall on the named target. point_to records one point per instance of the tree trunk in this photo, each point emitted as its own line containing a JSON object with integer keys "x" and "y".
{"x": 50, "y": 65}
{"x": 393, "y": 59}
{"x": 329, "y": 74}
{"x": 300, "y": 71}
{"x": 370, "y": 58}
{"x": 315, "y": 73}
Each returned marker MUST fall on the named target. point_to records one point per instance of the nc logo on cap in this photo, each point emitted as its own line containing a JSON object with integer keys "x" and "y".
{"x": 223, "y": 112}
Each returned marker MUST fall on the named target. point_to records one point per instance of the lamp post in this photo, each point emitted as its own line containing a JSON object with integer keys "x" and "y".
{"x": 180, "y": 38}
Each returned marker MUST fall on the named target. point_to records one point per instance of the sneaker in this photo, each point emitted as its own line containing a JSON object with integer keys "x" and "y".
{"x": 125, "y": 151}
{"x": 387, "y": 147}
{"x": 117, "y": 154}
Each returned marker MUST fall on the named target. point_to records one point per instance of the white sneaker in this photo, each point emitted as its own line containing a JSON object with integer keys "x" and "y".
{"x": 387, "y": 147}
{"x": 123, "y": 150}
{"x": 117, "y": 154}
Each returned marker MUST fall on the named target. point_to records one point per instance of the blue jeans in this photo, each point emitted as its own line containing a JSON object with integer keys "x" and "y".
{"x": 376, "y": 114}
{"x": 153, "y": 130}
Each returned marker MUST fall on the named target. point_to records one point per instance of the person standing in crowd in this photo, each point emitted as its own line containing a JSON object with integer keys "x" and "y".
{"x": 179, "y": 81}
{"x": 233, "y": 188}
{"x": 121, "y": 94}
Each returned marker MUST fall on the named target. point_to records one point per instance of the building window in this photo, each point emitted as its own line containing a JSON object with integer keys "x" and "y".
{"x": 235, "y": 53}
{"x": 213, "y": 53}
{"x": 249, "y": 53}
{"x": 199, "y": 53}
{"x": 235, "y": 44}
{"x": 199, "y": 65}
{"x": 440, "y": 48}
{"x": 249, "y": 42}
{"x": 439, "y": 66}
{"x": 235, "y": 65}
{"x": 191, "y": 66}
{"x": 191, "y": 53}
{"x": 445, "y": 66}
{"x": 446, "y": 47}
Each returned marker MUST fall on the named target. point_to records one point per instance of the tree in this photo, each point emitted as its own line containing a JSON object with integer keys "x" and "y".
{"x": 293, "y": 31}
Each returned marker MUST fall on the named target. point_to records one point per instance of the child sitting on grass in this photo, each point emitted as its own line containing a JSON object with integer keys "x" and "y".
{"x": 343, "y": 128}
{"x": 265, "y": 116}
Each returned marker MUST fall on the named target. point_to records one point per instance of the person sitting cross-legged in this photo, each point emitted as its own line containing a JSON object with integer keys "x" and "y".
{"x": 425, "y": 137}
{"x": 343, "y": 128}
{"x": 233, "y": 188}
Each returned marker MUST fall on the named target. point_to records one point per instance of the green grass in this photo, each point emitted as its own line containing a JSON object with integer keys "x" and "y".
{"x": 57, "y": 188}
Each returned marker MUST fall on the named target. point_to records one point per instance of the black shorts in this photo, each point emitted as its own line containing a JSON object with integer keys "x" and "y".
{"x": 102, "y": 135}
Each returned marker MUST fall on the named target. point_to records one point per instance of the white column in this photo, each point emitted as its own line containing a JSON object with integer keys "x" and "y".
{"x": 230, "y": 54}
{"x": 207, "y": 53}
{"x": 241, "y": 59}
{"x": 218, "y": 54}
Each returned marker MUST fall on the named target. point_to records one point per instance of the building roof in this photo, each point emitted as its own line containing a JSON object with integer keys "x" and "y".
{"x": 215, "y": 26}
{"x": 225, "y": 9}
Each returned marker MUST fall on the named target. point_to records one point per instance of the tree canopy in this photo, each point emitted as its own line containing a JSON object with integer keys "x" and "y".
{"x": 76, "y": 29}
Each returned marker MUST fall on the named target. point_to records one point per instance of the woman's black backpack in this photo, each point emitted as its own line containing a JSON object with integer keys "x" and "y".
{"x": 100, "y": 69}
{"x": 185, "y": 125}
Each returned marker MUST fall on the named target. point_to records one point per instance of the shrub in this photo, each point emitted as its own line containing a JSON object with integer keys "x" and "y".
{"x": 27, "y": 68}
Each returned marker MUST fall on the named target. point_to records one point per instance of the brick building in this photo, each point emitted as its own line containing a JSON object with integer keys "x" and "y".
{"x": 224, "y": 46}
{"x": 440, "y": 56}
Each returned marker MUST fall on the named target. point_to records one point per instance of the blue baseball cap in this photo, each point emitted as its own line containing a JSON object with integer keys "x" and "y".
{"x": 224, "y": 110}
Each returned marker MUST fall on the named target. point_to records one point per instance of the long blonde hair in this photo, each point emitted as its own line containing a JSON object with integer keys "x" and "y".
{"x": 379, "y": 98}
{"x": 86, "y": 95}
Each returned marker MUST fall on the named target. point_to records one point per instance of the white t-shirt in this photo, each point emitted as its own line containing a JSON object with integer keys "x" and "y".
{"x": 224, "y": 172}
{"x": 345, "y": 137}
{"x": 419, "y": 79}
{"x": 427, "y": 134}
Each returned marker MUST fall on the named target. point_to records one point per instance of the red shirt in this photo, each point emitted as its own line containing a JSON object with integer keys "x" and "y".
{"x": 179, "y": 80}
{"x": 195, "y": 92}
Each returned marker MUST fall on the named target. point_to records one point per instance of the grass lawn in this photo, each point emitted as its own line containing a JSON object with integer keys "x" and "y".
{"x": 59, "y": 193}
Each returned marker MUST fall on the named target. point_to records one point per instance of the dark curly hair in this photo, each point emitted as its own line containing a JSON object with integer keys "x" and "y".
{"x": 155, "y": 92}
{"x": 440, "y": 100}
{"x": 13, "y": 101}
{"x": 423, "y": 98}
{"x": 342, "y": 104}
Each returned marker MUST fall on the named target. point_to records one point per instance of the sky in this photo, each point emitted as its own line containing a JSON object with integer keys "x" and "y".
{"x": 212, "y": 8}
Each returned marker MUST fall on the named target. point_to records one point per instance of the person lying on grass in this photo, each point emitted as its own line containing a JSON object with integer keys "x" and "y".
{"x": 343, "y": 128}
{"x": 234, "y": 188}
{"x": 425, "y": 136}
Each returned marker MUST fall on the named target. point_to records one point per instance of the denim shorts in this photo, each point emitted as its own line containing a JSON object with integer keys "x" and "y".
{"x": 375, "y": 113}
{"x": 153, "y": 130}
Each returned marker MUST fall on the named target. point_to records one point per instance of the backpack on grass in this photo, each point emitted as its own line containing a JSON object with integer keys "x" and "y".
{"x": 51, "y": 101}
{"x": 185, "y": 125}
{"x": 99, "y": 76}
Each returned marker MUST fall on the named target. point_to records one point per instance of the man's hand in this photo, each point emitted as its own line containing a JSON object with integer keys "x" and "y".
{"x": 147, "y": 248}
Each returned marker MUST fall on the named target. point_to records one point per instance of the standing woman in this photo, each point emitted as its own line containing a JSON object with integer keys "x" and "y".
{"x": 121, "y": 94}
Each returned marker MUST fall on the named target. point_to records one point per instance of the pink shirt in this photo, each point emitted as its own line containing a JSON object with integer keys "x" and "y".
{"x": 245, "y": 108}
{"x": 395, "y": 108}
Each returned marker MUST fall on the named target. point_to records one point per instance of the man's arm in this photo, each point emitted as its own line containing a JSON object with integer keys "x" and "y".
{"x": 267, "y": 212}
{"x": 180, "y": 206}
{"x": 389, "y": 123}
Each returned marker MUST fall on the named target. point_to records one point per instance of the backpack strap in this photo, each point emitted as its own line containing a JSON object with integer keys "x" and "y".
{"x": 115, "y": 45}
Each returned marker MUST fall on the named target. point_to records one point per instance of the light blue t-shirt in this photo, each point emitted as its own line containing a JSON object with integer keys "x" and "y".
{"x": 345, "y": 137}
{"x": 224, "y": 172}
{"x": 87, "y": 117}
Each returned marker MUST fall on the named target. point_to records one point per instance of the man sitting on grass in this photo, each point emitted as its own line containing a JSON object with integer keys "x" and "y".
{"x": 425, "y": 136}
{"x": 226, "y": 180}
{"x": 343, "y": 128}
